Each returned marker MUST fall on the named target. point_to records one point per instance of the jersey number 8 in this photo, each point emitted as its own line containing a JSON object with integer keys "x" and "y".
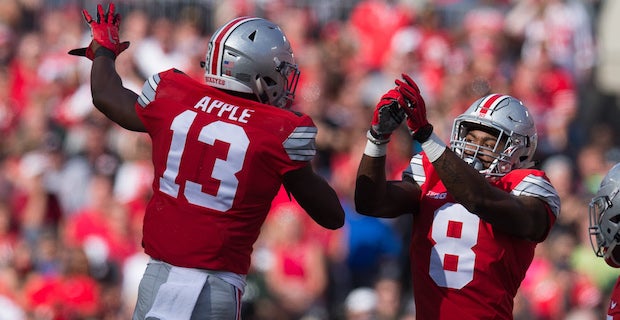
{"x": 455, "y": 232}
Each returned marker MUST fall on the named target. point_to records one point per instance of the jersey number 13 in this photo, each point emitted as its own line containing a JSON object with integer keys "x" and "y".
{"x": 223, "y": 170}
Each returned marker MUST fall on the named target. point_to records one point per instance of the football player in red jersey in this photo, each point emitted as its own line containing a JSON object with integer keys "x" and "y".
{"x": 604, "y": 212}
{"x": 479, "y": 207}
{"x": 221, "y": 151}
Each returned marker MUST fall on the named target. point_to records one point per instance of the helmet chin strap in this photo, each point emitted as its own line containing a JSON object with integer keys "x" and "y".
{"x": 474, "y": 162}
{"x": 261, "y": 93}
{"x": 505, "y": 167}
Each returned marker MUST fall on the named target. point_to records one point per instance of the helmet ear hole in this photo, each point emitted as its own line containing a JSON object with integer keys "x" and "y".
{"x": 270, "y": 82}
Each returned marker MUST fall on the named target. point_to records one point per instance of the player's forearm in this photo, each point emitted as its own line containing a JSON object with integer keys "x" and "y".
{"x": 493, "y": 205}
{"x": 110, "y": 97}
{"x": 323, "y": 205}
{"x": 469, "y": 187}
{"x": 370, "y": 185}
{"x": 377, "y": 197}
{"x": 315, "y": 196}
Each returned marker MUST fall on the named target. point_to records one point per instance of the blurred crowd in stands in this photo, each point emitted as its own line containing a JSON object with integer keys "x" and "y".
{"x": 73, "y": 185}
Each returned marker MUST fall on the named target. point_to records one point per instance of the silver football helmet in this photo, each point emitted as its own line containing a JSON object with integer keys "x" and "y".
{"x": 252, "y": 55}
{"x": 604, "y": 212}
{"x": 510, "y": 120}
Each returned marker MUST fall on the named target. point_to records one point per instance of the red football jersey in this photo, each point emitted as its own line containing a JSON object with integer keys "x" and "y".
{"x": 219, "y": 162}
{"x": 613, "y": 311}
{"x": 461, "y": 267}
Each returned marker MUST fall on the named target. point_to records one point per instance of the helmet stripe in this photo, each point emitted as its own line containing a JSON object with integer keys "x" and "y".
{"x": 219, "y": 38}
{"x": 489, "y": 103}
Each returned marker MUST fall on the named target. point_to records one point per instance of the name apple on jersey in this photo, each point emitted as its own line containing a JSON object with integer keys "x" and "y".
{"x": 223, "y": 110}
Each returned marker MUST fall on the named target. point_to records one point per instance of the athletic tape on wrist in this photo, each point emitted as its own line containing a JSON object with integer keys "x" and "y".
{"x": 375, "y": 150}
{"x": 433, "y": 147}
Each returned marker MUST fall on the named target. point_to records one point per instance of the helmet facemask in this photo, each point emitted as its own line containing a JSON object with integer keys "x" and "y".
{"x": 268, "y": 90}
{"x": 507, "y": 151}
{"x": 604, "y": 220}
{"x": 509, "y": 121}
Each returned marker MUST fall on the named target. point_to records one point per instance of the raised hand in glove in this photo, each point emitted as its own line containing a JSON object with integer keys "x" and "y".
{"x": 415, "y": 108}
{"x": 104, "y": 31}
{"x": 388, "y": 115}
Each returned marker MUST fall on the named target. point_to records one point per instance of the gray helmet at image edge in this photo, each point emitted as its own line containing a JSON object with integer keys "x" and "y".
{"x": 604, "y": 213}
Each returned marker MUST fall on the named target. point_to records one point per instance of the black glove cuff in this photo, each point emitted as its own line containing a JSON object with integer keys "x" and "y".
{"x": 423, "y": 133}
{"x": 105, "y": 52}
{"x": 375, "y": 138}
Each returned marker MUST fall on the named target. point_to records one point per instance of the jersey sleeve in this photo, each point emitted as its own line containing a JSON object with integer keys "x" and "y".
{"x": 415, "y": 170}
{"x": 539, "y": 187}
{"x": 300, "y": 145}
{"x": 297, "y": 144}
{"x": 147, "y": 95}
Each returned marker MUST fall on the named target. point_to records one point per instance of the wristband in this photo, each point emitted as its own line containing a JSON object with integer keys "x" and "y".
{"x": 433, "y": 147}
{"x": 375, "y": 150}
{"x": 105, "y": 52}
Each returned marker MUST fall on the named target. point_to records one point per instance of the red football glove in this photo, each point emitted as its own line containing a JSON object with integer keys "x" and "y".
{"x": 388, "y": 115}
{"x": 415, "y": 108}
{"x": 104, "y": 31}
